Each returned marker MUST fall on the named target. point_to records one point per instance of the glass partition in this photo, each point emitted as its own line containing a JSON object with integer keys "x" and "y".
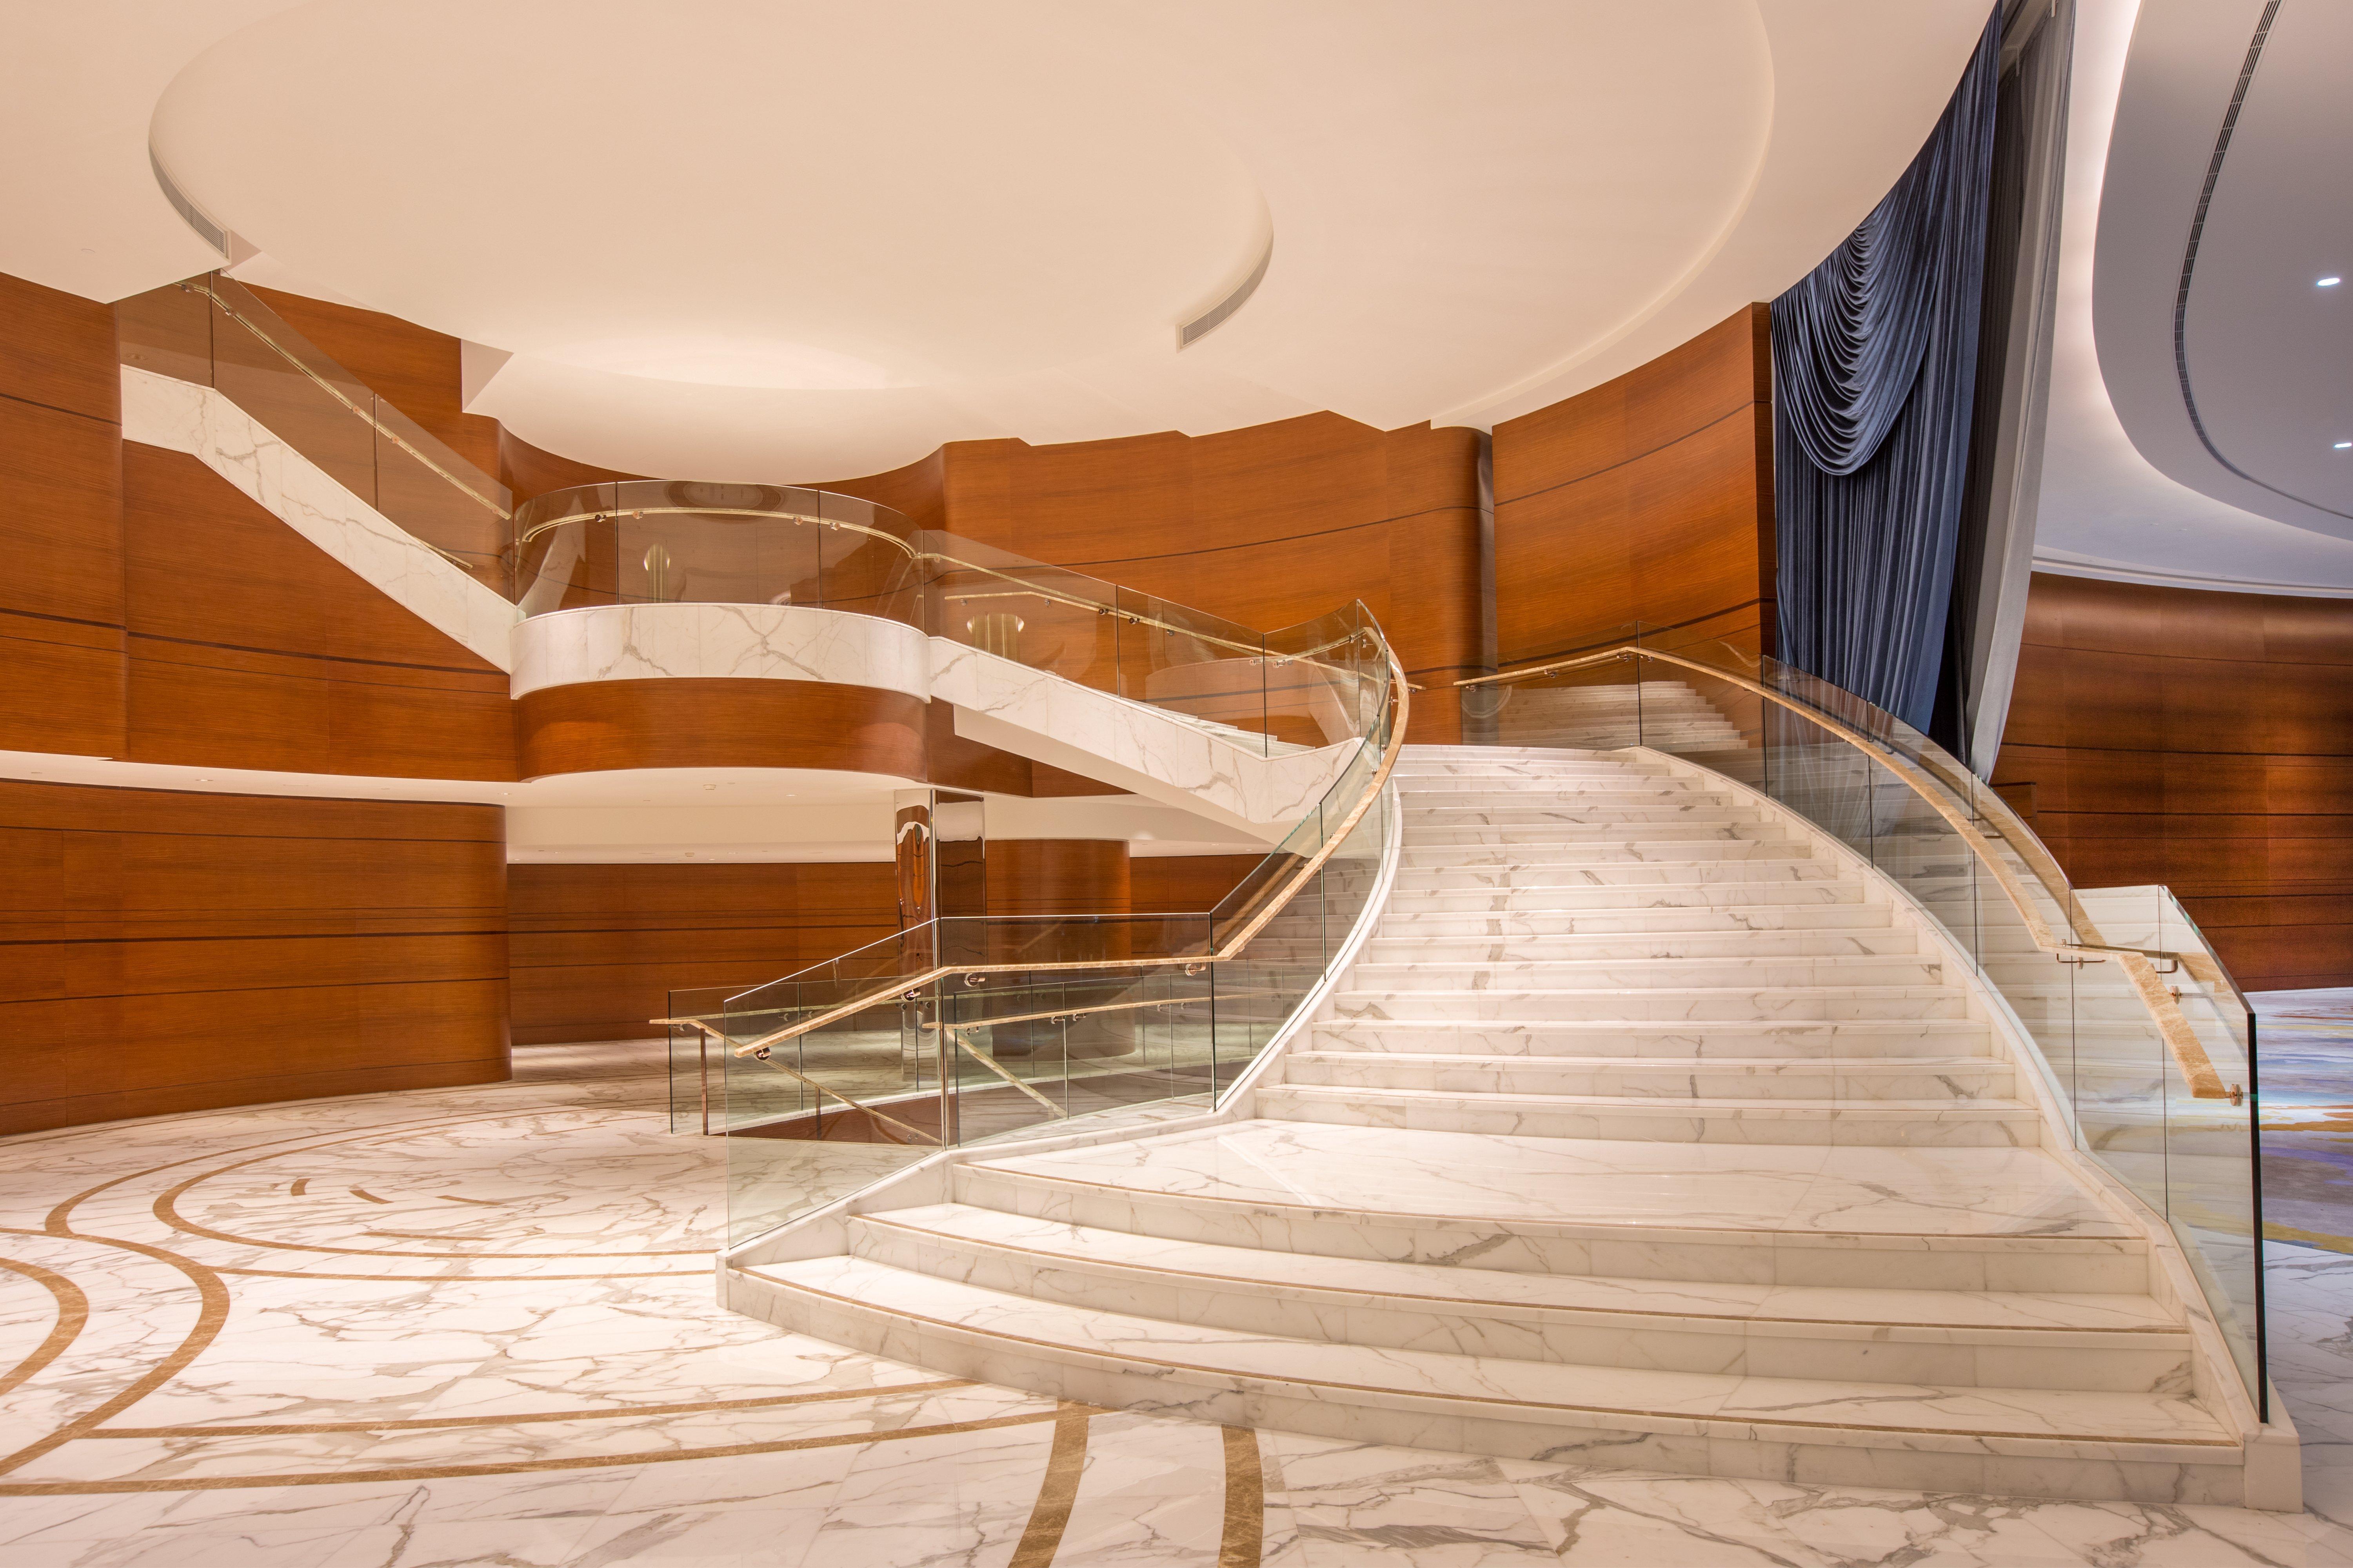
{"x": 2147, "y": 1042}
{"x": 213, "y": 330}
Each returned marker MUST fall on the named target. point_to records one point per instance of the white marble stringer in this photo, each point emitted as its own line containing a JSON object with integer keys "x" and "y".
{"x": 181, "y": 416}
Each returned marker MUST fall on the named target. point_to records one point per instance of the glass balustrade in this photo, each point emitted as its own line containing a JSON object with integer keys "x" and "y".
{"x": 657, "y": 542}
{"x": 970, "y": 1029}
{"x": 2148, "y": 1046}
{"x": 213, "y": 331}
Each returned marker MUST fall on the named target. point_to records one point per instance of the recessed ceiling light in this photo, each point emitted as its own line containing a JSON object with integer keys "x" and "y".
{"x": 2328, "y": 282}
{"x": 2342, "y": 444}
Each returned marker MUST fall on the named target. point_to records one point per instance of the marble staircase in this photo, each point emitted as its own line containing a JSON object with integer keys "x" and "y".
{"x": 1646, "y": 1131}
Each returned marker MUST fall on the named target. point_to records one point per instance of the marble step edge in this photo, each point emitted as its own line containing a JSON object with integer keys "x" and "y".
{"x": 980, "y": 1184}
{"x": 2182, "y": 1436}
{"x": 1670, "y": 964}
{"x": 1758, "y": 1067}
{"x": 1889, "y": 1316}
{"x": 1779, "y": 944}
{"x": 1652, "y": 992}
{"x": 1658, "y": 920}
{"x": 1971, "y": 1027}
{"x": 1604, "y": 1105}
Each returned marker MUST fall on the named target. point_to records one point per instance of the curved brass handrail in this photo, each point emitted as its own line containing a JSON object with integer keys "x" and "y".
{"x": 2181, "y": 1041}
{"x": 1269, "y": 905}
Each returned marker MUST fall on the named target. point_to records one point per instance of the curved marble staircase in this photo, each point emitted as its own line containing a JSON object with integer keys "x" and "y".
{"x": 1647, "y": 1131}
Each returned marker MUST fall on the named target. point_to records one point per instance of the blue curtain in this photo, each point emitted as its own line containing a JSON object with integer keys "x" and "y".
{"x": 1875, "y": 373}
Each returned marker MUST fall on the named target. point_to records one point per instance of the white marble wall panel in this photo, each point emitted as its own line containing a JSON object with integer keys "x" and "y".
{"x": 181, "y": 416}
{"x": 1157, "y": 754}
{"x": 723, "y": 642}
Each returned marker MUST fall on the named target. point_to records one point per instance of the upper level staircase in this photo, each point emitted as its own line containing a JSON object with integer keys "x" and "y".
{"x": 1648, "y": 1132}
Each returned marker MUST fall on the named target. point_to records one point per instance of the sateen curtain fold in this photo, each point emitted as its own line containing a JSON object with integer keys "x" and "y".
{"x": 1874, "y": 370}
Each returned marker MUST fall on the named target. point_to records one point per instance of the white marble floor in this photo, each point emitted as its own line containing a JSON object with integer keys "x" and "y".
{"x": 478, "y": 1326}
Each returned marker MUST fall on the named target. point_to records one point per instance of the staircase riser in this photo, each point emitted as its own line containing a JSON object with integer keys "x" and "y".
{"x": 1676, "y": 1082}
{"x": 1441, "y": 824}
{"x": 1631, "y": 874}
{"x": 1860, "y": 1127}
{"x": 1407, "y": 905}
{"x": 1861, "y": 1042}
{"x": 1687, "y": 850}
{"x": 1944, "y": 1358}
{"x": 1489, "y": 1007}
{"x": 1965, "y": 1263}
{"x": 1696, "y": 1448}
{"x": 1871, "y": 920}
{"x": 1727, "y": 945}
{"x": 1634, "y": 973}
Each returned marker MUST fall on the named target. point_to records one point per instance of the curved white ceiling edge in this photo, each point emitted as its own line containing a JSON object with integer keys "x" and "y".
{"x": 1856, "y": 90}
{"x": 2105, "y": 510}
{"x": 79, "y": 85}
{"x": 2178, "y": 78}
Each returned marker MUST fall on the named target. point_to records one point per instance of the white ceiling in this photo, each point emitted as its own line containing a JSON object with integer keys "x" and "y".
{"x": 2128, "y": 489}
{"x": 775, "y": 239}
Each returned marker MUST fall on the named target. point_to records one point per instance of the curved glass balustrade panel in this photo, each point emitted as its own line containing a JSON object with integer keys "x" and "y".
{"x": 646, "y": 541}
{"x": 965, "y": 1029}
{"x": 213, "y": 331}
{"x": 2147, "y": 1042}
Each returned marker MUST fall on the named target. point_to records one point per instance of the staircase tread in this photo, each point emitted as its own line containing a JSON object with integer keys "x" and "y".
{"x": 1791, "y": 1066}
{"x": 1812, "y": 1190}
{"x": 1918, "y": 1315}
{"x": 1843, "y": 1412}
{"x": 1940, "y": 1109}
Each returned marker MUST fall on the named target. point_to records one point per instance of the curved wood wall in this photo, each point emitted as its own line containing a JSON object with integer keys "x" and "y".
{"x": 1268, "y": 525}
{"x": 1649, "y": 499}
{"x": 60, "y": 524}
{"x": 166, "y": 952}
{"x": 2201, "y": 740}
{"x": 1058, "y": 877}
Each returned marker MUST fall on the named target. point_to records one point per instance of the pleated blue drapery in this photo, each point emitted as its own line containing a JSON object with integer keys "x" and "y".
{"x": 1874, "y": 372}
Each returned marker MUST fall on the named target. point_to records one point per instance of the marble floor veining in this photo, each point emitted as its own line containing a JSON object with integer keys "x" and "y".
{"x": 478, "y": 1326}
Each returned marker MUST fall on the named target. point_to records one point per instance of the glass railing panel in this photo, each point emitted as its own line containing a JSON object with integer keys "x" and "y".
{"x": 436, "y": 495}
{"x": 295, "y": 392}
{"x": 697, "y": 1077}
{"x": 825, "y": 1112}
{"x": 1320, "y": 682}
{"x": 867, "y": 559}
{"x": 1200, "y": 665}
{"x": 167, "y": 331}
{"x": 1043, "y": 617}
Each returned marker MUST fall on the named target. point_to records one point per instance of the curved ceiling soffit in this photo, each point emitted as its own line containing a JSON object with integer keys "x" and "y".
{"x": 1643, "y": 139}
{"x": 2225, "y": 361}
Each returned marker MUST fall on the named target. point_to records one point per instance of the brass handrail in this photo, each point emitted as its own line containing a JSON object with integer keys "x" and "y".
{"x": 1268, "y": 908}
{"x": 2181, "y": 1041}
{"x": 331, "y": 390}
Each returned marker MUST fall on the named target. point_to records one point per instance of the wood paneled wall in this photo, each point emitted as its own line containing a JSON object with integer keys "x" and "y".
{"x": 1648, "y": 498}
{"x": 1269, "y": 526}
{"x": 2201, "y": 740}
{"x": 60, "y": 524}
{"x": 1184, "y": 884}
{"x": 166, "y": 952}
{"x": 597, "y": 949}
{"x": 1058, "y": 877}
{"x": 251, "y": 647}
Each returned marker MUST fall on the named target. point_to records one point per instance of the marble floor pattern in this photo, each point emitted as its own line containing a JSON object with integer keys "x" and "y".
{"x": 477, "y": 1326}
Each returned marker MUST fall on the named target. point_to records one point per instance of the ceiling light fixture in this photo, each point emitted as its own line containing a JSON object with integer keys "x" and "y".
{"x": 2342, "y": 444}
{"x": 2328, "y": 282}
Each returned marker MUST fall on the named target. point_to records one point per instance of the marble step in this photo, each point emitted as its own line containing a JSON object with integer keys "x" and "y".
{"x": 1864, "y": 942}
{"x": 1530, "y": 767}
{"x": 1620, "y": 898}
{"x": 1851, "y": 1216}
{"x": 1646, "y": 973}
{"x": 1889, "y": 1123}
{"x": 1677, "y": 871}
{"x": 1681, "y": 829}
{"x": 1830, "y": 1079}
{"x": 1692, "y": 849}
{"x": 1622, "y": 786}
{"x": 1670, "y": 920}
{"x": 1688, "y": 1004}
{"x": 1957, "y": 1338}
{"x": 1421, "y": 821}
{"x": 2013, "y": 1440}
{"x": 1743, "y": 1039}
